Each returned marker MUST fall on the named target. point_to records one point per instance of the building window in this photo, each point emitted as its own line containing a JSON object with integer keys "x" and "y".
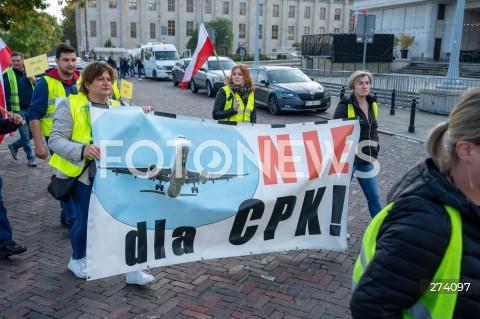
{"x": 112, "y": 4}
{"x": 323, "y": 12}
{"x": 171, "y": 5}
{"x": 260, "y": 31}
{"x": 441, "y": 11}
{"x": 171, "y": 27}
{"x": 291, "y": 31}
{"x": 243, "y": 8}
{"x": 189, "y": 5}
{"x": 133, "y": 30}
{"x": 225, "y": 7}
{"x": 93, "y": 29}
{"x": 132, "y": 4}
{"x": 291, "y": 12}
{"x": 276, "y": 10}
{"x": 189, "y": 28}
{"x": 207, "y": 9}
{"x": 321, "y": 30}
{"x": 307, "y": 13}
{"x": 306, "y": 30}
{"x": 274, "y": 32}
{"x": 337, "y": 13}
{"x": 241, "y": 30}
{"x": 92, "y": 3}
{"x": 153, "y": 34}
{"x": 113, "y": 29}
{"x": 336, "y": 30}
{"x": 260, "y": 9}
{"x": 152, "y": 5}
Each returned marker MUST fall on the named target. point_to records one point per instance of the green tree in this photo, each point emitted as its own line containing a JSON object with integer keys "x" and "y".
{"x": 68, "y": 24}
{"x": 108, "y": 43}
{"x": 14, "y": 12}
{"x": 38, "y": 34}
{"x": 223, "y": 36}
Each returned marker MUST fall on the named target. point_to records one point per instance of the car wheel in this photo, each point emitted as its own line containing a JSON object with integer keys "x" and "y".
{"x": 154, "y": 75}
{"x": 193, "y": 87}
{"x": 273, "y": 105}
{"x": 210, "y": 91}
{"x": 175, "y": 83}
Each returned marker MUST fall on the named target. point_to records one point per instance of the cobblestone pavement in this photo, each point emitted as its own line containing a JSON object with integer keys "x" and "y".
{"x": 289, "y": 284}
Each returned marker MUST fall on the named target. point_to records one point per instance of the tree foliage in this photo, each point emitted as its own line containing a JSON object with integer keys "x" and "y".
{"x": 14, "y": 12}
{"x": 68, "y": 24}
{"x": 38, "y": 34}
{"x": 223, "y": 36}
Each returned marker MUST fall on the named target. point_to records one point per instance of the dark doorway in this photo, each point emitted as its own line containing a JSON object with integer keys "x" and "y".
{"x": 436, "y": 49}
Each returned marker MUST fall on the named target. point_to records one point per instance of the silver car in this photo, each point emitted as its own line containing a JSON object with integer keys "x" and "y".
{"x": 210, "y": 75}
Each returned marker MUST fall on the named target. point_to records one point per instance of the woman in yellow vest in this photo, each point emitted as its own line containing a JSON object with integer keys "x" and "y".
{"x": 420, "y": 256}
{"x": 235, "y": 101}
{"x": 71, "y": 142}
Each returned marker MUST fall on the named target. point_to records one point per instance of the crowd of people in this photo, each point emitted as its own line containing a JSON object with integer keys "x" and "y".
{"x": 427, "y": 232}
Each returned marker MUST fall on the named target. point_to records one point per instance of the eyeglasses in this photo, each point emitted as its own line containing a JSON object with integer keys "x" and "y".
{"x": 239, "y": 74}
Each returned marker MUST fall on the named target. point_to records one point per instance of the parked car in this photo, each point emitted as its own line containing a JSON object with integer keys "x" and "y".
{"x": 284, "y": 88}
{"x": 210, "y": 75}
{"x": 80, "y": 63}
{"x": 179, "y": 70}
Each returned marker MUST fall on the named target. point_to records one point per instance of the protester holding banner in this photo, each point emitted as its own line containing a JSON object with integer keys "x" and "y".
{"x": 235, "y": 101}
{"x": 70, "y": 140}
{"x": 361, "y": 105}
{"x": 420, "y": 254}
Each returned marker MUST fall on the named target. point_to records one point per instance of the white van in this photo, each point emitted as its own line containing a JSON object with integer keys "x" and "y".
{"x": 158, "y": 59}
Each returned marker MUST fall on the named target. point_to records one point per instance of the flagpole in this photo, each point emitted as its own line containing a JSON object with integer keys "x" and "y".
{"x": 220, "y": 63}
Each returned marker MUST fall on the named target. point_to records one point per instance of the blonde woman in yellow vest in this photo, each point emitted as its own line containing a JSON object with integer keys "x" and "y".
{"x": 420, "y": 256}
{"x": 360, "y": 105}
{"x": 235, "y": 101}
{"x": 71, "y": 142}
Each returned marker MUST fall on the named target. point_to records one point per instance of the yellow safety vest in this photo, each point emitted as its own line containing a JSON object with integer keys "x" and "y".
{"x": 81, "y": 133}
{"x": 55, "y": 89}
{"x": 243, "y": 113}
{"x": 431, "y": 304}
{"x": 115, "y": 89}
{"x": 351, "y": 110}
{"x": 14, "y": 98}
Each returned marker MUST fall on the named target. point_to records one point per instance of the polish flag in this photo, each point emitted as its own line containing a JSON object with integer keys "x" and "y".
{"x": 202, "y": 52}
{"x": 5, "y": 55}
{"x": 3, "y": 103}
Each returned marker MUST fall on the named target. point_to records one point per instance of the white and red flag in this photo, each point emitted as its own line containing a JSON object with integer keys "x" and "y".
{"x": 5, "y": 61}
{"x": 202, "y": 52}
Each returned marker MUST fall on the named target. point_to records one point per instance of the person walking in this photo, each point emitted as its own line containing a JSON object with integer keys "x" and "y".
{"x": 421, "y": 254}
{"x": 18, "y": 95}
{"x": 139, "y": 68}
{"x": 235, "y": 102}
{"x": 57, "y": 82}
{"x": 8, "y": 247}
{"x": 71, "y": 141}
{"x": 132, "y": 66}
{"x": 361, "y": 105}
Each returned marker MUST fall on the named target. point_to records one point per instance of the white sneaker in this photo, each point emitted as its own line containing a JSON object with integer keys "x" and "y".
{"x": 140, "y": 79}
{"x": 348, "y": 236}
{"x": 78, "y": 267}
{"x": 139, "y": 277}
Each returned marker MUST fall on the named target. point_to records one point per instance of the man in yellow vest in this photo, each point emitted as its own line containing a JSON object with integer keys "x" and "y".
{"x": 18, "y": 94}
{"x": 58, "y": 82}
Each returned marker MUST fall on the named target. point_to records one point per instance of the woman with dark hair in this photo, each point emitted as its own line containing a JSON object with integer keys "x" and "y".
{"x": 235, "y": 101}
{"x": 71, "y": 141}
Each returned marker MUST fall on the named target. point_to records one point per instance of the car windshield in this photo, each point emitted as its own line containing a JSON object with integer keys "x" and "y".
{"x": 187, "y": 62}
{"x": 226, "y": 64}
{"x": 288, "y": 76}
{"x": 166, "y": 55}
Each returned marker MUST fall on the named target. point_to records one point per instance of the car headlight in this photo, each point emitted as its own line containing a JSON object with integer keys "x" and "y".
{"x": 160, "y": 67}
{"x": 217, "y": 79}
{"x": 286, "y": 95}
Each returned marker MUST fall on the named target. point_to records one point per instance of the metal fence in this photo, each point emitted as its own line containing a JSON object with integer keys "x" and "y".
{"x": 407, "y": 87}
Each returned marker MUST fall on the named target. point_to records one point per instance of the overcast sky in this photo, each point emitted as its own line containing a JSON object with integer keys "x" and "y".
{"x": 54, "y": 9}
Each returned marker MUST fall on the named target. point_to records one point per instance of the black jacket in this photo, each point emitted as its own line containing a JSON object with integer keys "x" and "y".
{"x": 219, "y": 113}
{"x": 368, "y": 127}
{"x": 411, "y": 244}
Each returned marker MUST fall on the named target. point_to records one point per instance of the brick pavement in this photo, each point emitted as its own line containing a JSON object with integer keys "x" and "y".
{"x": 290, "y": 284}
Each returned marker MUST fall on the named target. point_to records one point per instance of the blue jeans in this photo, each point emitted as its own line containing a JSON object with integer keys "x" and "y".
{"x": 139, "y": 72}
{"x": 24, "y": 140}
{"x": 369, "y": 187}
{"x": 67, "y": 209}
{"x": 78, "y": 233}
{"x": 5, "y": 228}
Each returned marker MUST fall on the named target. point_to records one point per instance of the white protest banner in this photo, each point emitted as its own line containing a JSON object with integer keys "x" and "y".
{"x": 174, "y": 189}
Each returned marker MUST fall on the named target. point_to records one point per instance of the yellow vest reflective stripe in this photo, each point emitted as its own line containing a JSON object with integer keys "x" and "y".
{"x": 243, "y": 113}
{"x": 431, "y": 304}
{"x": 55, "y": 89}
{"x": 115, "y": 89}
{"x": 14, "y": 98}
{"x": 81, "y": 133}
{"x": 351, "y": 110}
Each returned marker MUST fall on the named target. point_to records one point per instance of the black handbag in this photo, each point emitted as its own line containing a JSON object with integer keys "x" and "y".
{"x": 62, "y": 188}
